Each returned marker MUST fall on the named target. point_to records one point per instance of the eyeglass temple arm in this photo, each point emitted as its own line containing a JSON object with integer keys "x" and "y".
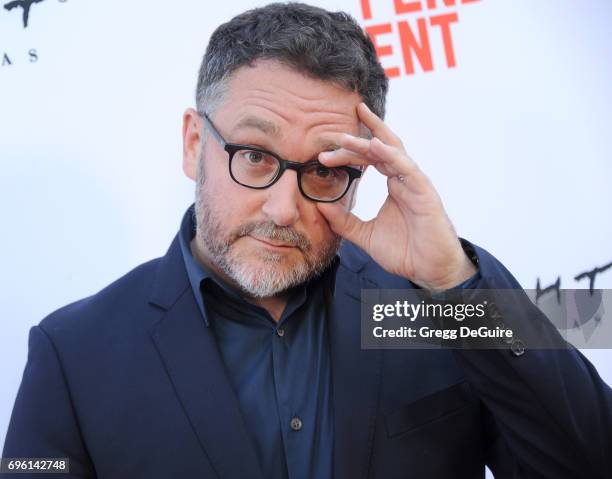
{"x": 213, "y": 130}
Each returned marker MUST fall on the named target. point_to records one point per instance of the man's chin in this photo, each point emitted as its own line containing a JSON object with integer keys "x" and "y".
{"x": 263, "y": 284}
{"x": 265, "y": 277}
{"x": 265, "y": 264}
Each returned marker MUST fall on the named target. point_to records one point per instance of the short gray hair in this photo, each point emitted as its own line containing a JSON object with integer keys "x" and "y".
{"x": 324, "y": 45}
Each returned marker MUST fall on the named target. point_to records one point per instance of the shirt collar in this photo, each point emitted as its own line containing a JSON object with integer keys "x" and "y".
{"x": 198, "y": 273}
{"x": 195, "y": 271}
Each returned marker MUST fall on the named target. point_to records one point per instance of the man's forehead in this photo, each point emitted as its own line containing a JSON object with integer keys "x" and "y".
{"x": 327, "y": 141}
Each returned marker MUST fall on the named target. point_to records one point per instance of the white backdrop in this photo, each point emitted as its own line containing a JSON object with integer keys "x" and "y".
{"x": 516, "y": 137}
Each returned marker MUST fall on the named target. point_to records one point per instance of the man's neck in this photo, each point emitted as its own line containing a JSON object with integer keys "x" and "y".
{"x": 274, "y": 305}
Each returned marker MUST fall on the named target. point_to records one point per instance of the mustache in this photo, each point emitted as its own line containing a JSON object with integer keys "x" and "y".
{"x": 268, "y": 230}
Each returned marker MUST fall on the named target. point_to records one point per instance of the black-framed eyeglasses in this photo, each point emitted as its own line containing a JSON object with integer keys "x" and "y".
{"x": 257, "y": 168}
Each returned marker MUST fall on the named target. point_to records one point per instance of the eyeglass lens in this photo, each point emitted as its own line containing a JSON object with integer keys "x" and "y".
{"x": 258, "y": 169}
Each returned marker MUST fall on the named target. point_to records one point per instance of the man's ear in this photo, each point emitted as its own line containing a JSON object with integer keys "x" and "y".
{"x": 192, "y": 136}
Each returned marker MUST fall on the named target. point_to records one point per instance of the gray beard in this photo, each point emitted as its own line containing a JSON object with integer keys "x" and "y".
{"x": 263, "y": 279}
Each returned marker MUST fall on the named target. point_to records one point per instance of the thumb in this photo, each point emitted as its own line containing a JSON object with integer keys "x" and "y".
{"x": 345, "y": 223}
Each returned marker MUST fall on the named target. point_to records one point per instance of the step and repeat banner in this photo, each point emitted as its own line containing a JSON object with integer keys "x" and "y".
{"x": 505, "y": 104}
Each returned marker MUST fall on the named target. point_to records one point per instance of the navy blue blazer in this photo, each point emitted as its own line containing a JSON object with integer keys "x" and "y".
{"x": 129, "y": 383}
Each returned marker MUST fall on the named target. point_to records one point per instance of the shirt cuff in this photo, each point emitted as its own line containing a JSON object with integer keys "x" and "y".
{"x": 469, "y": 283}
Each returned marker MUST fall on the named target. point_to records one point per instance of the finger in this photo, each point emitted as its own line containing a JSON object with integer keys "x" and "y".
{"x": 377, "y": 126}
{"x": 361, "y": 151}
{"x": 345, "y": 223}
{"x": 404, "y": 190}
{"x": 396, "y": 161}
{"x": 353, "y": 150}
{"x": 350, "y": 147}
{"x": 347, "y": 158}
{"x": 388, "y": 161}
{"x": 342, "y": 157}
{"x": 354, "y": 143}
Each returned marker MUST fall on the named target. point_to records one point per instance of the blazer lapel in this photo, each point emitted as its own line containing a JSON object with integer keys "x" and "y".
{"x": 356, "y": 377}
{"x": 195, "y": 368}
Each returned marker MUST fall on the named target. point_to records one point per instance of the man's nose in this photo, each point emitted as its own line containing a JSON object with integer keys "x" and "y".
{"x": 282, "y": 202}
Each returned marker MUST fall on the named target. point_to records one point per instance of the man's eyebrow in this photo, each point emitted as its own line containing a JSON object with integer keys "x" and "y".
{"x": 326, "y": 145}
{"x": 265, "y": 126}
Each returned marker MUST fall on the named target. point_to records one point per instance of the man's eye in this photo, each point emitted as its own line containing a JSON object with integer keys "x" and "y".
{"x": 254, "y": 156}
{"x": 323, "y": 172}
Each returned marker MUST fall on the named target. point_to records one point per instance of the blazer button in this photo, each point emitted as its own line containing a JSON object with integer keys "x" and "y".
{"x": 517, "y": 347}
{"x": 280, "y": 332}
{"x": 296, "y": 423}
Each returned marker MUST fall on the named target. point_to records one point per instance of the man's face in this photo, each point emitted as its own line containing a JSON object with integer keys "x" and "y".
{"x": 267, "y": 241}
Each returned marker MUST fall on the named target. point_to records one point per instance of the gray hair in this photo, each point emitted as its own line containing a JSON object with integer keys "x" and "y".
{"x": 324, "y": 45}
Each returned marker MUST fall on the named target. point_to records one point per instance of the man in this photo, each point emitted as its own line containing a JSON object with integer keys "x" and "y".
{"x": 237, "y": 354}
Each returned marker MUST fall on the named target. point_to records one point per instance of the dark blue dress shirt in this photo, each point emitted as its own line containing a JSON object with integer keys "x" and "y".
{"x": 280, "y": 372}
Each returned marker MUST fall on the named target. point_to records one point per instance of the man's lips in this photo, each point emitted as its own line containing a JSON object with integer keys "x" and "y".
{"x": 273, "y": 243}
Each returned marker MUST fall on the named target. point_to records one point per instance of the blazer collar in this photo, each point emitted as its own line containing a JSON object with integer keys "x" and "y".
{"x": 195, "y": 368}
{"x": 171, "y": 278}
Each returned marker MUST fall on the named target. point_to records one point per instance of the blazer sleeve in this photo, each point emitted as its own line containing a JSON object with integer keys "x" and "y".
{"x": 550, "y": 409}
{"x": 43, "y": 423}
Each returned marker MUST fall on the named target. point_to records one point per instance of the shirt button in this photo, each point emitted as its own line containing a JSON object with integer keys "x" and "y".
{"x": 296, "y": 423}
{"x": 280, "y": 332}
